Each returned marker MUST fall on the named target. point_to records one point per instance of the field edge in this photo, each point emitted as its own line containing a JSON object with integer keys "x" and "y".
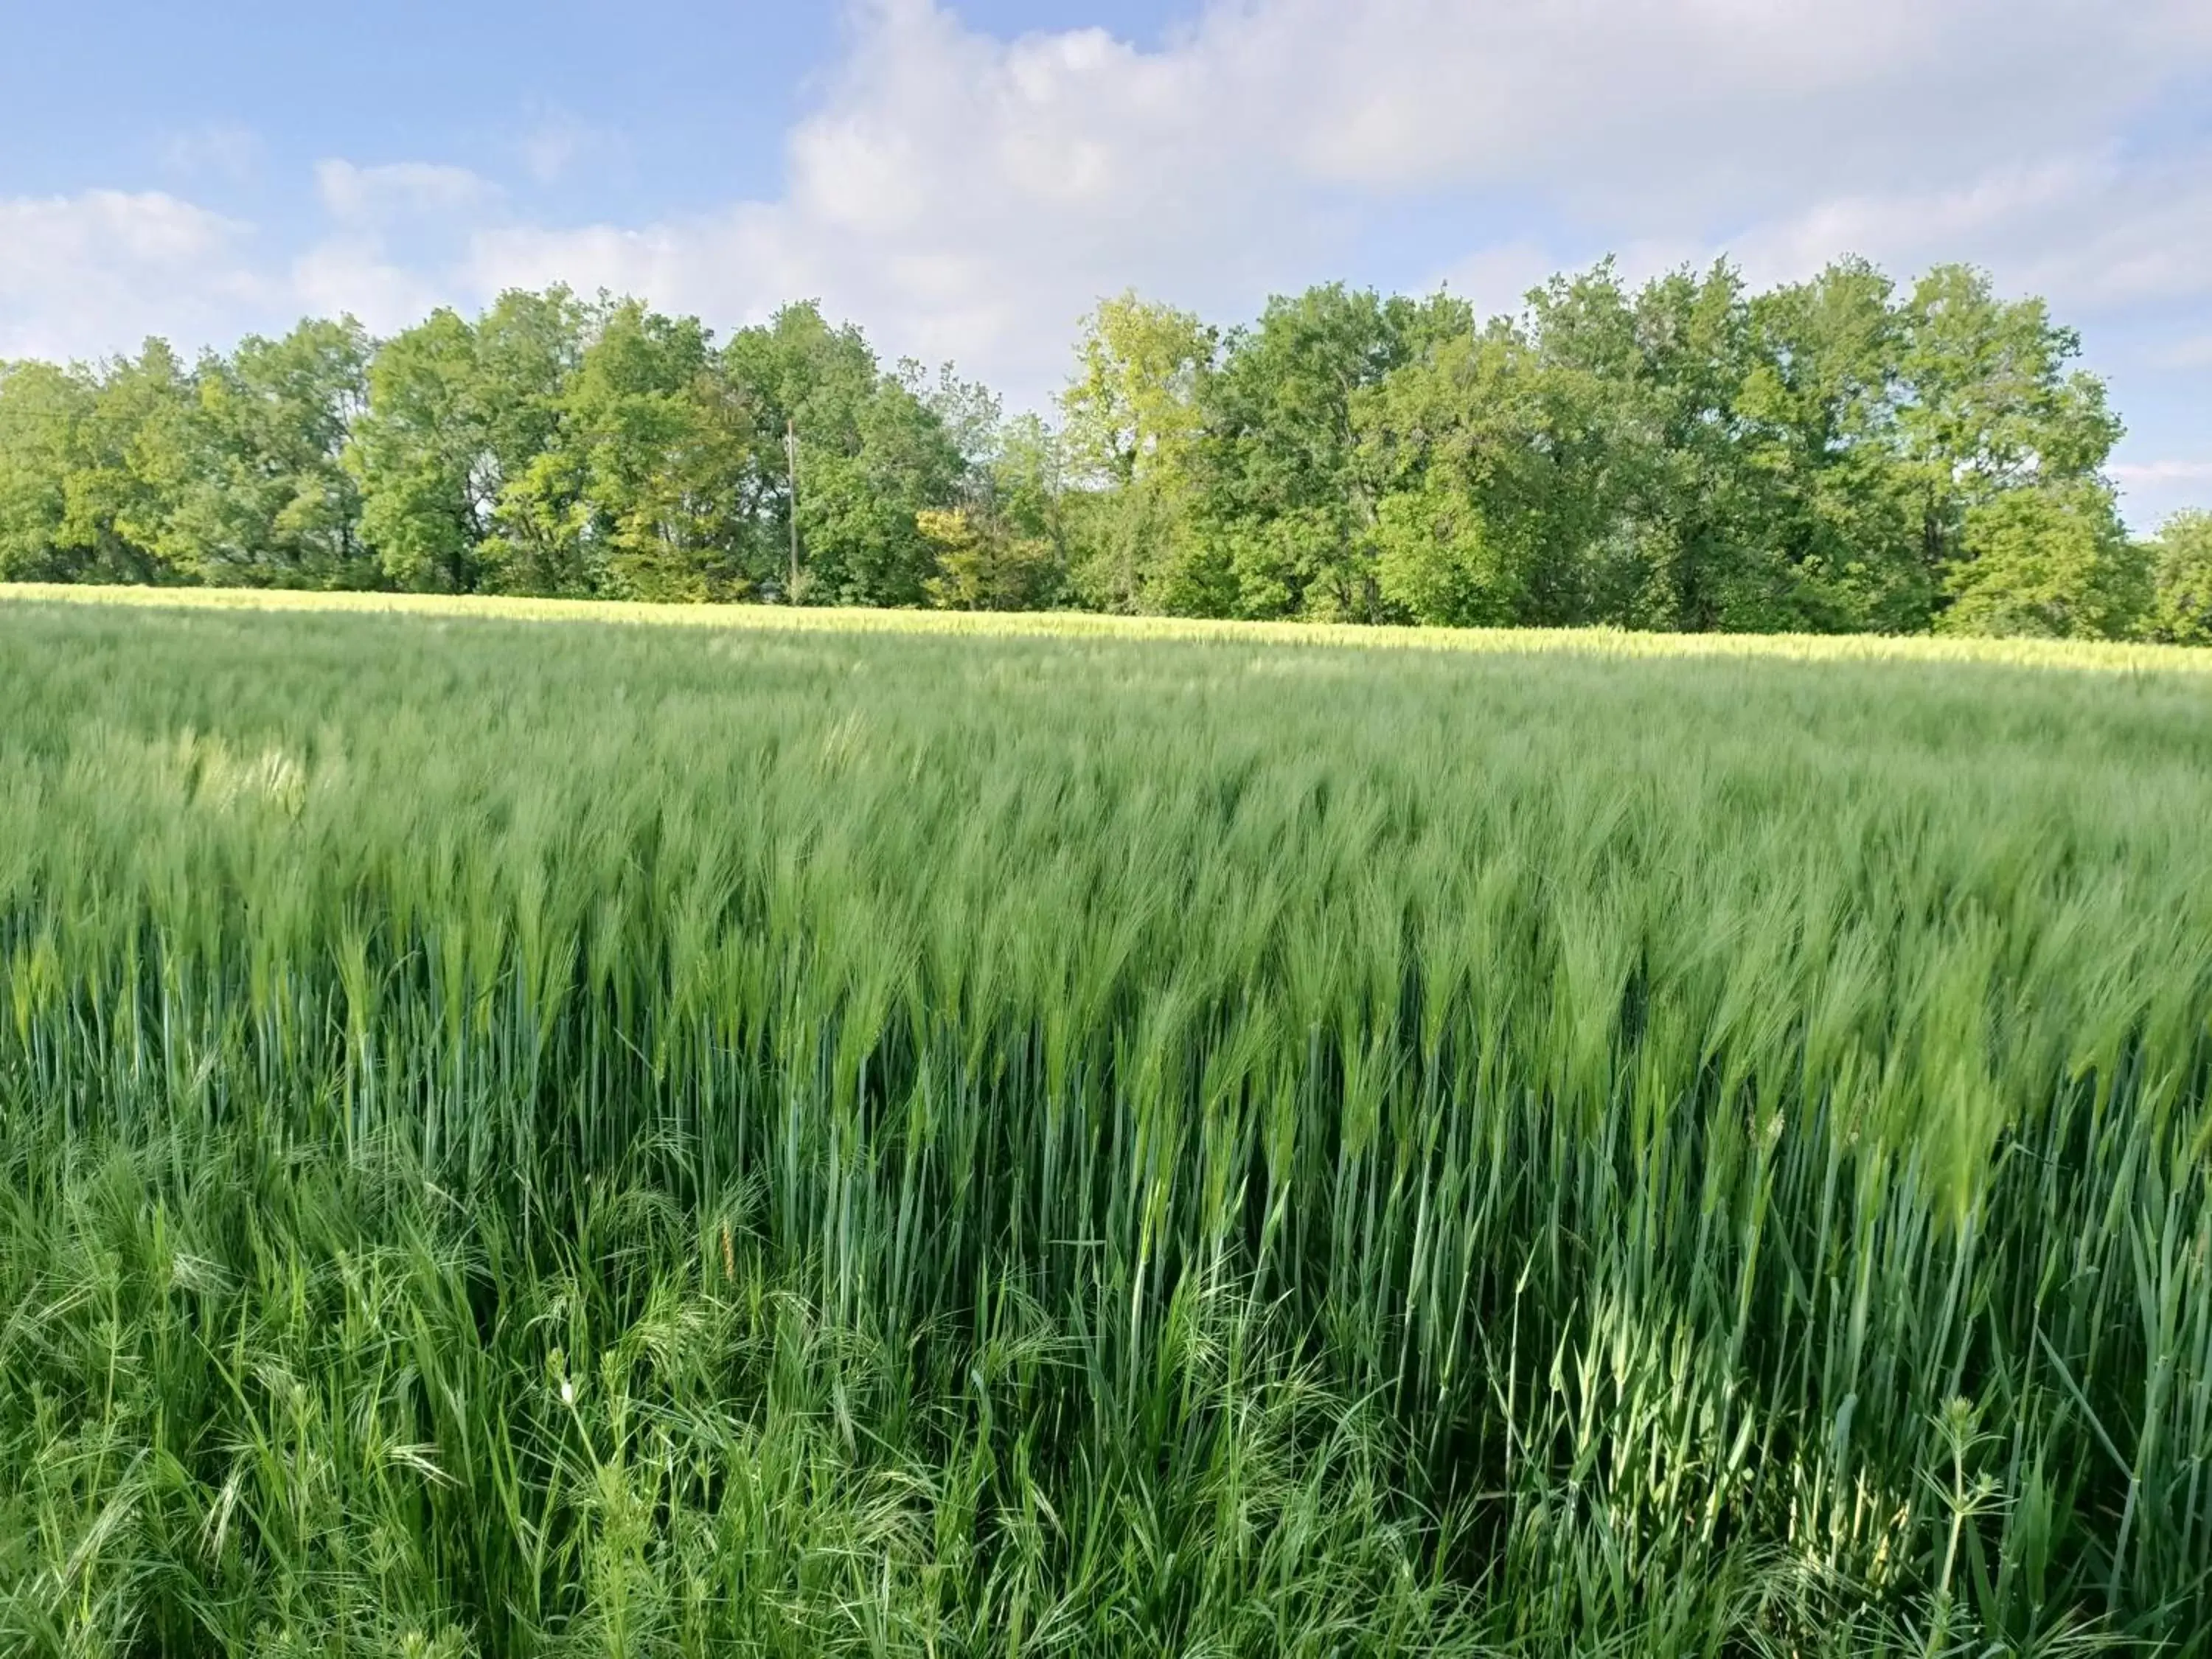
{"x": 2099, "y": 655}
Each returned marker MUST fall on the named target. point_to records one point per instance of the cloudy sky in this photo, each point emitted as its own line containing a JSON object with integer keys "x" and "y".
{"x": 965, "y": 179}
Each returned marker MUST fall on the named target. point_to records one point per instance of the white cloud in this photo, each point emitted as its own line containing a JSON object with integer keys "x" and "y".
{"x": 557, "y": 144}
{"x": 352, "y": 275}
{"x": 2138, "y": 473}
{"x": 222, "y": 149}
{"x": 970, "y": 196}
{"x": 86, "y": 275}
{"x": 402, "y": 190}
{"x": 390, "y": 255}
{"x": 1646, "y": 111}
{"x": 2090, "y": 231}
{"x": 2153, "y": 491}
{"x": 1497, "y": 278}
{"x": 82, "y": 276}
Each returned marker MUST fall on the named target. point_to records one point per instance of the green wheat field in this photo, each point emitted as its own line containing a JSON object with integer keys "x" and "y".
{"x": 793, "y": 1135}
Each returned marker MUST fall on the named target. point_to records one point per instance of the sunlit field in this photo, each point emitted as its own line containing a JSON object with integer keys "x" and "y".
{"x": 794, "y": 1132}
{"x": 1076, "y": 624}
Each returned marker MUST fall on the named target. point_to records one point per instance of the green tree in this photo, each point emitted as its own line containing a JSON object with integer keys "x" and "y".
{"x": 132, "y": 459}
{"x": 860, "y": 513}
{"x": 872, "y": 452}
{"x": 1025, "y": 476}
{"x": 639, "y": 491}
{"x": 268, "y": 500}
{"x": 1477, "y": 473}
{"x": 1719, "y": 571}
{"x": 1509, "y": 462}
{"x": 1692, "y": 457}
{"x": 1819, "y": 409}
{"x": 2050, "y": 560}
{"x": 421, "y": 457}
{"x": 1440, "y": 561}
{"x": 1005, "y": 547}
{"x": 43, "y": 409}
{"x": 456, "y": 411}
{"x": 984, "y": 563}
{"x": 1280, "y": 484}
{"x": 2181, "y": 602}
{"x": 1685, "y": 454}
{"x": 1988, "y": 403}
{"x": 678, "y": 473}
{"x": 1132, "y": 418}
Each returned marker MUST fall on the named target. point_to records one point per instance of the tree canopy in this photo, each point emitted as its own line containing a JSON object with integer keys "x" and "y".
{"x": 1842, "y": 453}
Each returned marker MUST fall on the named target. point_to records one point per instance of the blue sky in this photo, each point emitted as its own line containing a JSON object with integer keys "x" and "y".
{"x": 965, "y": 179}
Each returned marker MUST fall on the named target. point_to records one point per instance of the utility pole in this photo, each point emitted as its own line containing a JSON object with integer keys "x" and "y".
{"x": 791, "y": 457}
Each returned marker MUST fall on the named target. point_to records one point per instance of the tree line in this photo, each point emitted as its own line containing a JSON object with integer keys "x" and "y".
{"x": 1844, "y": 454}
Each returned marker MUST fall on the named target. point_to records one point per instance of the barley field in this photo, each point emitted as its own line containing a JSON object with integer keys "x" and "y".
{"x": 799, "y": 1135}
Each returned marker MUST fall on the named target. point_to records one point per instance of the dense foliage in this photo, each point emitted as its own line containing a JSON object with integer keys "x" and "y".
{"x": 1834, "y": 455}
{"x": 544, "y": 1140}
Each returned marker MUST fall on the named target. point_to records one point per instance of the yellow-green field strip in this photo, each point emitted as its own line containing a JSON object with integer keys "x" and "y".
{"x": 1604, "y": 642}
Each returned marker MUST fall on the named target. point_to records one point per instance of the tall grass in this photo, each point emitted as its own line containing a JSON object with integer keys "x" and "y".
{"x": 639, "y": 1141}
